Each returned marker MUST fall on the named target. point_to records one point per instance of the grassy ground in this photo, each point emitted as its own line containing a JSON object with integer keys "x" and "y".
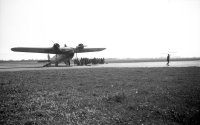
{"x": 101, "y": 96}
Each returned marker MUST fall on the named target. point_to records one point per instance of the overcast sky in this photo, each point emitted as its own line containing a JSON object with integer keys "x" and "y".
{"x": 127, "y": 28}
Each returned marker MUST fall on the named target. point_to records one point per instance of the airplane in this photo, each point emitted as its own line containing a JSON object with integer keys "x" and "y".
{"x": 63, "y": 54}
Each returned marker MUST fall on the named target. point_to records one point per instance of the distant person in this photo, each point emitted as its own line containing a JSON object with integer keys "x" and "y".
{"x": 168, "y": 59}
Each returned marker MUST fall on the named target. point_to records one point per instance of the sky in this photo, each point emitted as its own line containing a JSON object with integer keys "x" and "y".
{"x": 126, "y": 28}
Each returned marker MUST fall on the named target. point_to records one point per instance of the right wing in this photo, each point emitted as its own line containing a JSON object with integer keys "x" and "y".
{"x": 88, "y": 50}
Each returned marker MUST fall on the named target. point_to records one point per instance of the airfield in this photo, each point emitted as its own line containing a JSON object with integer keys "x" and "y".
{"x": 33, "y": 65}
{"x": 111, "y": 94}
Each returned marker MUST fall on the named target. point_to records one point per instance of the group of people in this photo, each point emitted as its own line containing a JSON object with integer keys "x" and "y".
{"x": 86, "y": 61}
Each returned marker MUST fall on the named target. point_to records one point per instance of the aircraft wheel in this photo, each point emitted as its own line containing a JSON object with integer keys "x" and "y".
{"x": 69, "y": 62}
{"x": 56, "y": 64}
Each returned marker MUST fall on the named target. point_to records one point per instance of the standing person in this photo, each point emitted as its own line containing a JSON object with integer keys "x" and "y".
{"x": 168, "y": 58}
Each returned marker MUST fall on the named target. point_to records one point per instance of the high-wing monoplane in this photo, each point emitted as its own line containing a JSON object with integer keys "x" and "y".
{"x": 63, "y": 54}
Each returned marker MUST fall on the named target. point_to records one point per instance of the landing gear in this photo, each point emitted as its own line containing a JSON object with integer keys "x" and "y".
{"x": 67, "y": 62}
{"x": 56, "y": 64}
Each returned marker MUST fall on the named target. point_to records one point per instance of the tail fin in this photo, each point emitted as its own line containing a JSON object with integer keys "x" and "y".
{"x": 48, "y": 57}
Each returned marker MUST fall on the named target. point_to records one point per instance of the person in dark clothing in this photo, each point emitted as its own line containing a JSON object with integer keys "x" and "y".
{"x": 168, "y": 59}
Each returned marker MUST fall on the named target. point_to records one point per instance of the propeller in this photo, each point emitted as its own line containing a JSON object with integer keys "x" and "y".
{"x": 56, "y": 49}
{"x": 79, "y": 47}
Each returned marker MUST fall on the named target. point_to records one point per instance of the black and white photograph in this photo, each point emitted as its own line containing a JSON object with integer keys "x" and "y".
{"x": 99, "y": 62}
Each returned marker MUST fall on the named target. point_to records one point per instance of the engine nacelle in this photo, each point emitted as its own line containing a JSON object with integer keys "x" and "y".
{"x": 56, "y": 48}
{"x": 80, "y": 46}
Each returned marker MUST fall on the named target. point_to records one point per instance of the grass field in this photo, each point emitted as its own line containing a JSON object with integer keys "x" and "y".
{"x": 101, "y": 96}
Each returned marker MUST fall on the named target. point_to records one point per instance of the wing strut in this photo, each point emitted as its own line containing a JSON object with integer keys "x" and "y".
{"x": 56, "y": 63}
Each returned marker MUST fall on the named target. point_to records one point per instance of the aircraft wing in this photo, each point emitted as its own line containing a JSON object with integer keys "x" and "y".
{"x": 33, "y": 50}
{"x": 89, "y": 50}
{"x": 53, "y": 51}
